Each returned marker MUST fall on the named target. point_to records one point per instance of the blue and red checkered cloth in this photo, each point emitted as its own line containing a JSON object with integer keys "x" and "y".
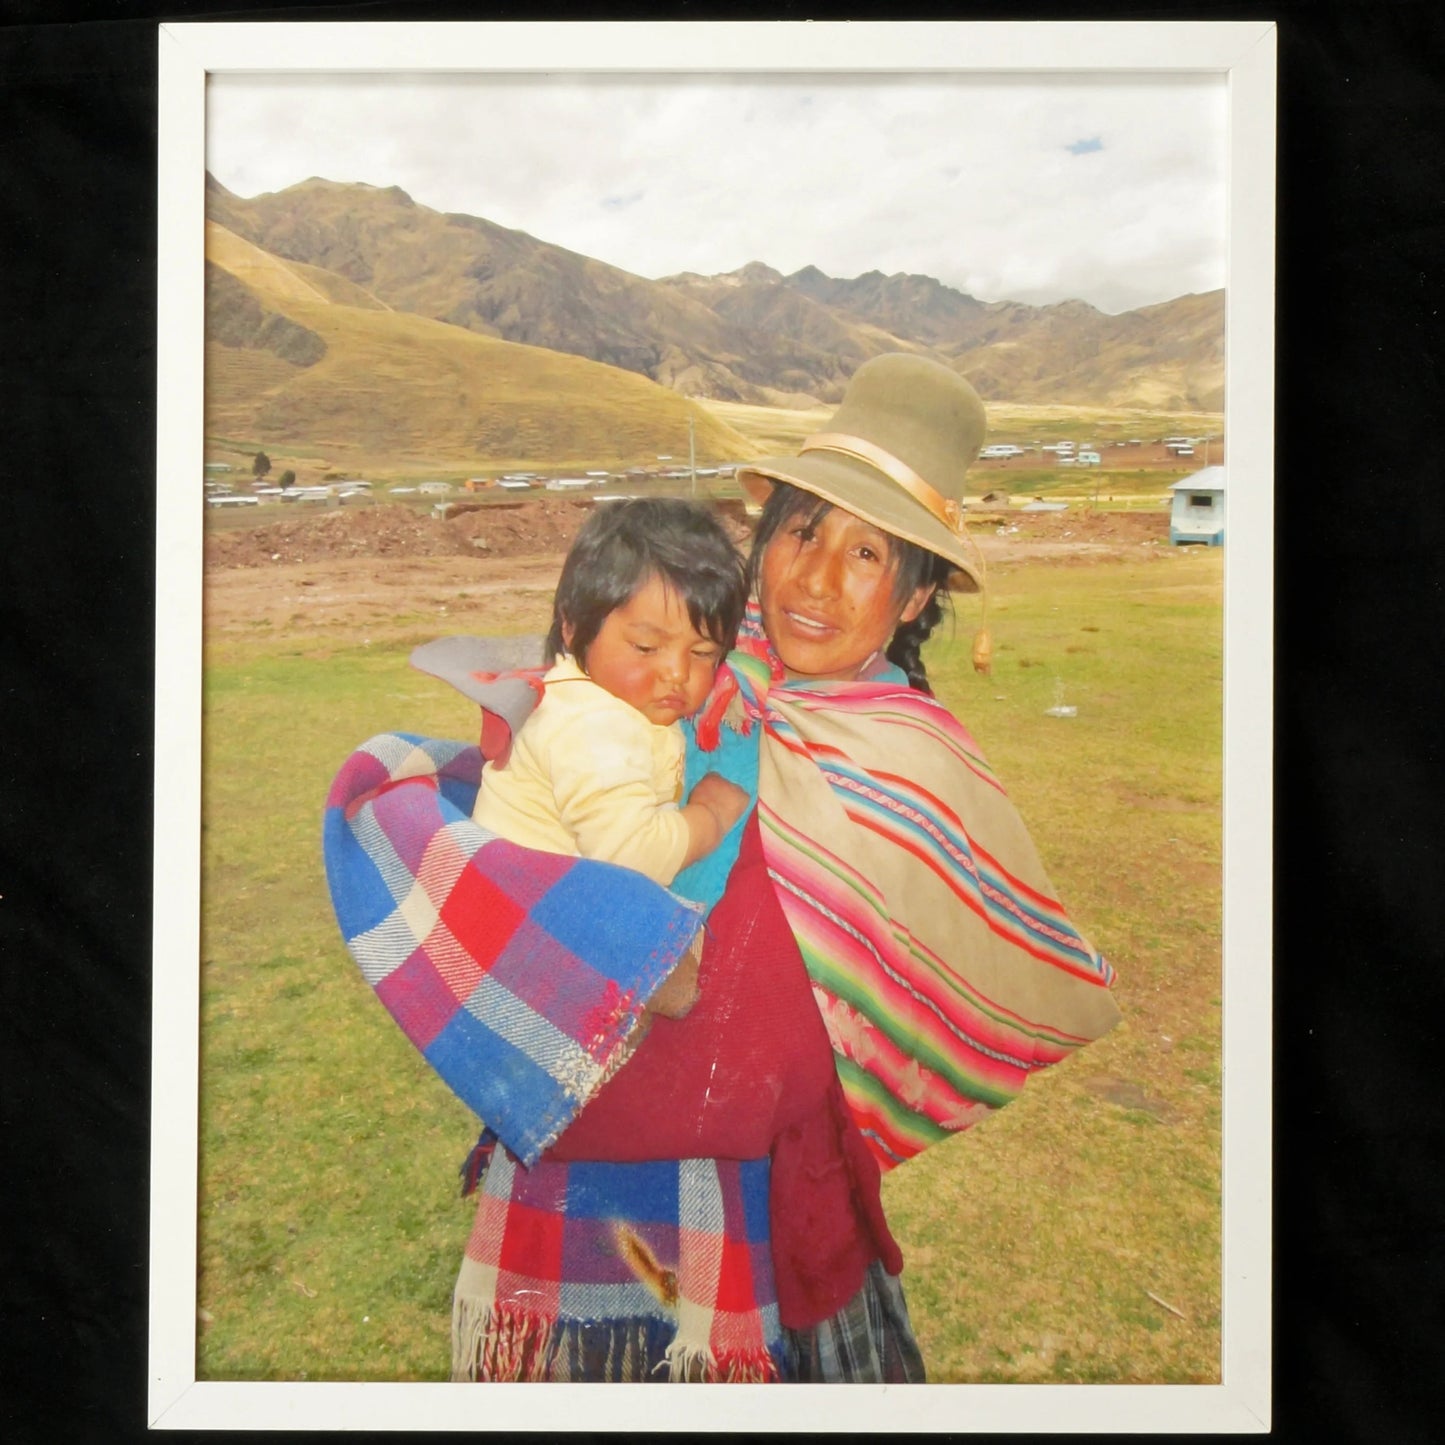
{"x": 520, "y": 976}
{"x": 521, "y": 980}
{"x": 611, "y": 1271}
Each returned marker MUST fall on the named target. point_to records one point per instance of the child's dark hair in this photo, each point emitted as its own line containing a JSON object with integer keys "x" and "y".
{"x": 914, "y": 567}
{"x": 622, "y": 544}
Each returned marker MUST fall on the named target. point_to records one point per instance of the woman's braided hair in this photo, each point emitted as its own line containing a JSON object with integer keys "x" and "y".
{"x": 905, "y": 651}
{"x": 914, "y": 567}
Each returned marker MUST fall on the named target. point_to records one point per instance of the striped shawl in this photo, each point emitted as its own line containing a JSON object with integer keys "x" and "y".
{"x": 944, "y": 965}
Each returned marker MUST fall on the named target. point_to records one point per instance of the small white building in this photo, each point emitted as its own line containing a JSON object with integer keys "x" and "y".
{"x": 1197, "y": 511}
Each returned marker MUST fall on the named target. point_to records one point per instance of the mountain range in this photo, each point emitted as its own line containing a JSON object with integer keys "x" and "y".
{"x": 284, "y": 266}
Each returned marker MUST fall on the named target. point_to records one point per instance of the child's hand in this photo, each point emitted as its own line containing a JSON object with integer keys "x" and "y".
{"x": 677, "y": 993}
{"x": 724, "y": 800}
{"x": 715, "y": 805}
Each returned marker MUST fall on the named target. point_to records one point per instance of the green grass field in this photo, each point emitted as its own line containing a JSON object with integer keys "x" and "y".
{"x": 1072, "y": 1237}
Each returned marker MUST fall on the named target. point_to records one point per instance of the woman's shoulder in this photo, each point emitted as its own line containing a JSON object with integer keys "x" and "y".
{"x": 880, "y": 706}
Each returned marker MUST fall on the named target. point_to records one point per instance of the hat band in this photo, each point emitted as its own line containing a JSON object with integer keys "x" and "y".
{"x": 945, "y": 509}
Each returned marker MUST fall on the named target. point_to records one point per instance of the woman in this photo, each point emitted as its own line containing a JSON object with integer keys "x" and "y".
{"x": 886, "y": 964}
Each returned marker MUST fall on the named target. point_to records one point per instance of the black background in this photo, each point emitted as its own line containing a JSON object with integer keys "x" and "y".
{"x": 1359, "y": 704}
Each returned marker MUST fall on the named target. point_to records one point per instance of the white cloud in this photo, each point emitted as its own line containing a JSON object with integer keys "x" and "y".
{"x": 993, "y": 185}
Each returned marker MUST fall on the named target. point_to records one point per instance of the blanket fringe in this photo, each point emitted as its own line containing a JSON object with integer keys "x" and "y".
{"x": 687, "y": 1363}
{"x": 492, "y": 1342}
{"x": 684, "y": 1361}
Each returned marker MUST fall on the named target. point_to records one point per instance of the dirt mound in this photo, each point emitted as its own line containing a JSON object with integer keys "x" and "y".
{"x": 1085, "y": 525}
{"x": 542, "y": 527}
{"x": 1073, "y": 538}
{"x": 538, "y": 526}
{"x": 521, "y": 530}
{"x": 376, "y": 570}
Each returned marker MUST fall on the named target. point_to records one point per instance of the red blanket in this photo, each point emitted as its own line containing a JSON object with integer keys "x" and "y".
{"x": 749, "y": 1073}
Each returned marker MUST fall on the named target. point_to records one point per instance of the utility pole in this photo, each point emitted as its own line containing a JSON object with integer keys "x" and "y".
{"x": 692, "y": 453}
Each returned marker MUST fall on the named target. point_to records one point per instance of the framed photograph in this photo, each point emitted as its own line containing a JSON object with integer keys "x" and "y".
{"x": 1078, "y": 217}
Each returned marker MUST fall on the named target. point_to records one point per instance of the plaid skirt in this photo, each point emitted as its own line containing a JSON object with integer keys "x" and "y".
{"x": 869, "y": 1341}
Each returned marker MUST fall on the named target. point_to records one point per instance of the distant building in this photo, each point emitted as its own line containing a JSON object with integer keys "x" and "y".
{"x": 1197, "y": 511}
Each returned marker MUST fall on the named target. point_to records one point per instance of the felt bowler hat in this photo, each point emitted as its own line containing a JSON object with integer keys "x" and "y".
{"x": 894, "y": 453}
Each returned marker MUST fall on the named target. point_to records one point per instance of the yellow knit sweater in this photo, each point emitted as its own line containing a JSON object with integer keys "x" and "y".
{"x": 591, "y": 777}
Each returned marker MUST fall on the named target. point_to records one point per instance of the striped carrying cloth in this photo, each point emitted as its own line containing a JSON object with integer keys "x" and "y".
{"x": 945, "y": 968}
{"x": 520, "y": 976}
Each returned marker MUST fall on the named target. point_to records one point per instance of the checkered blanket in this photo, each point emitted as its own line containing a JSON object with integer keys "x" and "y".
{"x": 619, "y": 1272}
{"x": 520, "y": 976}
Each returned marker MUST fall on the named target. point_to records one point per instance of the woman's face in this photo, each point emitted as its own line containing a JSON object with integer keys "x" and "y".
{"x": 826, "y": 593}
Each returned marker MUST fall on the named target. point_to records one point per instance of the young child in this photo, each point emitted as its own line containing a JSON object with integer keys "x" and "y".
{"x": 648, "y": 604}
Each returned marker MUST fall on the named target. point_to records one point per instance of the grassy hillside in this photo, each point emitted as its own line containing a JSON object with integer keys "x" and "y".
{"x": 473, "y": 273}
{"x": 1165, "y": 357}
{"x": 751, "y": 335}
{"x": 398, "y": 391}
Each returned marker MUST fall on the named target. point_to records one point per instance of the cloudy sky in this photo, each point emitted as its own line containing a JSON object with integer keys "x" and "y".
{"x": 1108, "y": 189}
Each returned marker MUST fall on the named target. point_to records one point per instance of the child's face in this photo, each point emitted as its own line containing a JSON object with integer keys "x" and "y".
{"x": 648, "y": 653}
